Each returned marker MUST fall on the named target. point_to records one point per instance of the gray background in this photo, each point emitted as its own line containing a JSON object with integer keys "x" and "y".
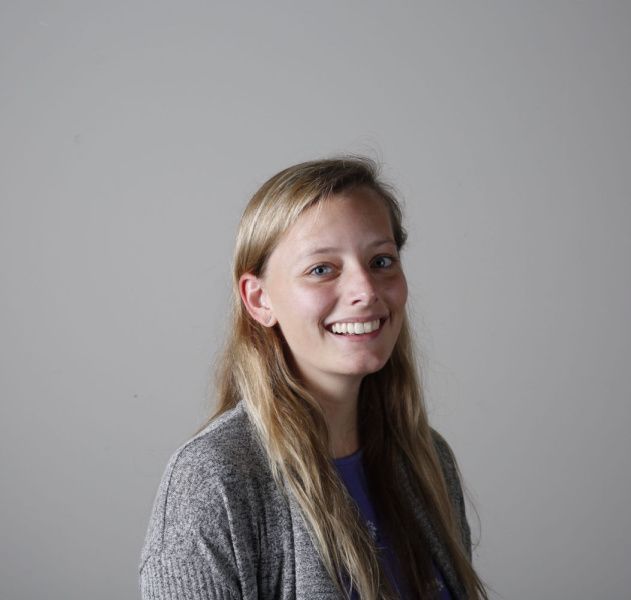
{"x": 133, "y": 134}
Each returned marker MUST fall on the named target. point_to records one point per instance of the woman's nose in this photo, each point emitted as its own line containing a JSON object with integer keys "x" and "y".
{"x": 361, "y": 287}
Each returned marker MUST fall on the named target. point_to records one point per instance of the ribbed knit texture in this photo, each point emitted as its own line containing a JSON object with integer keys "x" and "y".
{"x": 178, "y": 577}
{"x": 221, "y": 529}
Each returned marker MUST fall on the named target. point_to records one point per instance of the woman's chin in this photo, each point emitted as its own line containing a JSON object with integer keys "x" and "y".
{"x": 365, "y": 367}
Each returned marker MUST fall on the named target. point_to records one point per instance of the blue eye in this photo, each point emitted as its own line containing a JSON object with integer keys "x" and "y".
{"x": 388, "y": 260}
{"x": 320, "y": 270}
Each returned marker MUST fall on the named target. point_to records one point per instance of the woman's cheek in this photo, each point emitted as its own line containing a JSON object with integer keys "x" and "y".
{"x": 398, "y": 292}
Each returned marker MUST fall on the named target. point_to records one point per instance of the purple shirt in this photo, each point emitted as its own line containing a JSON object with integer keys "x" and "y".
{"x": 351, "y": 471}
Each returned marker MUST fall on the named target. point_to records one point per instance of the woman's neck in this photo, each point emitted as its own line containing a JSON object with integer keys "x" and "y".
{"x": 339, "y": 404}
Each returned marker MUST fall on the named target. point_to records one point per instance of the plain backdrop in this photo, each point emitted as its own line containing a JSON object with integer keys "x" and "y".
{"x": 132, "y": 136}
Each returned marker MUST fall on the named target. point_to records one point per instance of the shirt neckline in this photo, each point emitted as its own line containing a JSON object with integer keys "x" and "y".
{"x": 351, "y": 458}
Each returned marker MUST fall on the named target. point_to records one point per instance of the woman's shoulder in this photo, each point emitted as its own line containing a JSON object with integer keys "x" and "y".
{"x": 223, "y": 443}
{"x": 222, "y": 470}
{"x": 227, "y": 448}
{"x": 445, "y": 455}
{"x": 452, "y": 477}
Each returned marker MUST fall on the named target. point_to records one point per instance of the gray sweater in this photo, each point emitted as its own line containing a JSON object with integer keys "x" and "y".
{"x": 222, "y": 529}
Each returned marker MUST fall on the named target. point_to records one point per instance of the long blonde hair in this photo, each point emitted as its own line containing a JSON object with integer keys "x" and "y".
{"x": 393, "y": 424}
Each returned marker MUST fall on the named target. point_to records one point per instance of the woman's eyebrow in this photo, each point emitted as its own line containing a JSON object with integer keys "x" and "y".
{"x": 326, "y": 249}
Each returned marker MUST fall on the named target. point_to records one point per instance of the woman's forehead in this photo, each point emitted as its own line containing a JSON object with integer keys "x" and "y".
{"x": 321, "y": 227}
{"x": 362, "y": 203}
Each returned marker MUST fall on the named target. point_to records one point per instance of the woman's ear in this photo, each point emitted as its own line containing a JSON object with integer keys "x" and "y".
{"x": 255, "y": 299}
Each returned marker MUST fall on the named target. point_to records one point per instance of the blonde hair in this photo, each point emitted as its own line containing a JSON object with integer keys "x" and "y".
{"x": 393, "y": 424}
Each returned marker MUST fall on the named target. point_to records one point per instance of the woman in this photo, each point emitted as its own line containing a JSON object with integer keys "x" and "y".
{"x": 318, "y": 476}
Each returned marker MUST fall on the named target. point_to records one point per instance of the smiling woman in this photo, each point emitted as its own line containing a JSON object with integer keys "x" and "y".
{"x": 323, "y": 301}
{"x": 319, "y": 475}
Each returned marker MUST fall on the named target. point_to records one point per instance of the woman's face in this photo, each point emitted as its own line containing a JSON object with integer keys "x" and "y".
{"x": 335, "y": 287}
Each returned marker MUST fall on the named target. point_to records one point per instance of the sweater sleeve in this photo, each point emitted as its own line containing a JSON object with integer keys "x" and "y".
{"x": 168, "y": 576}
{"x": 199, "y": 543}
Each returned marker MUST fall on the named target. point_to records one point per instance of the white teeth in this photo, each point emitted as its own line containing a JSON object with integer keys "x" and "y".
{"x": 355, "y": 328}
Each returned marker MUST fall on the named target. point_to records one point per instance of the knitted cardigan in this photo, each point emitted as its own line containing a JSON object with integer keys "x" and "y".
{"x": 221, "y": 528}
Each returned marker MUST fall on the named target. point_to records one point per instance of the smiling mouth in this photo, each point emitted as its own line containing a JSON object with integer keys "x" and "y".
{"x": 356, "y": 329}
